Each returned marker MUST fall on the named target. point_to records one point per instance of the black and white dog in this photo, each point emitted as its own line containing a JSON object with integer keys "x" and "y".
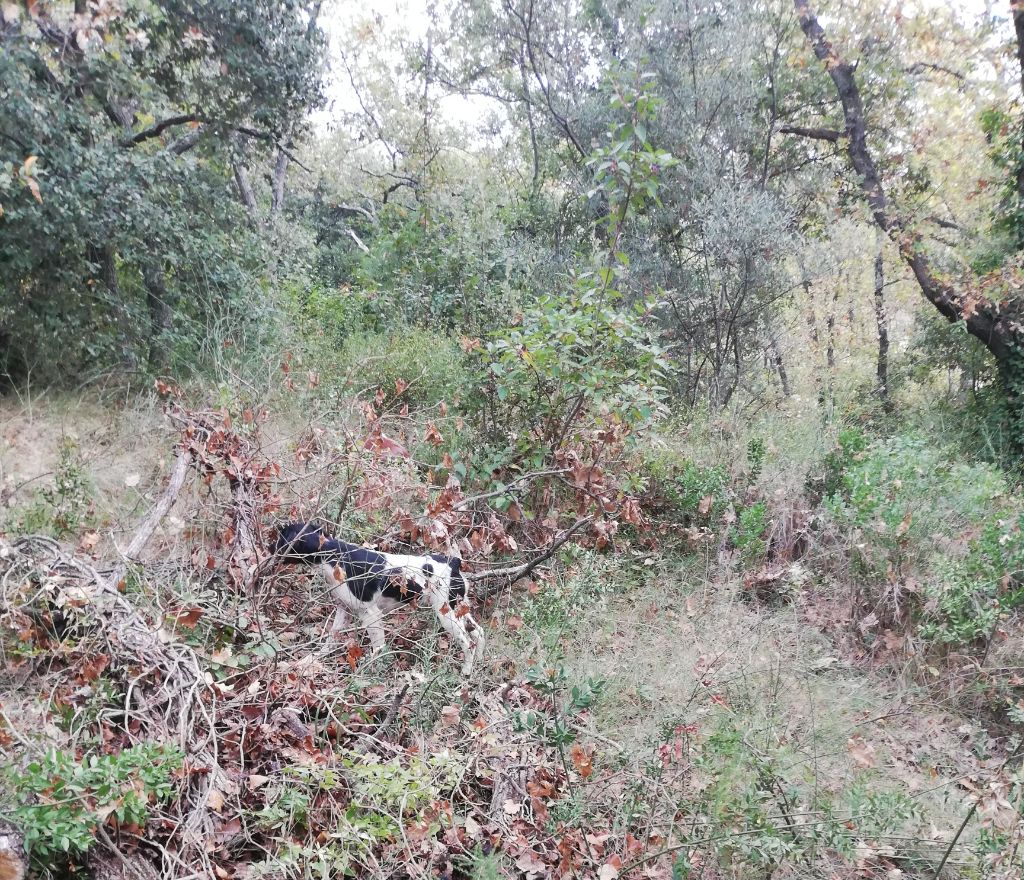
{"x": 368, "y": 584}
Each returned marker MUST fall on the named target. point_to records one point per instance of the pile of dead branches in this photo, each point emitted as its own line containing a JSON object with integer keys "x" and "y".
{"x": 79, "y": 622}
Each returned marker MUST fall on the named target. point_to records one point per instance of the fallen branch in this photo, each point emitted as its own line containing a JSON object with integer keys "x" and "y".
{"x": 507, "y": 576}
{"x": 152, "y": 520}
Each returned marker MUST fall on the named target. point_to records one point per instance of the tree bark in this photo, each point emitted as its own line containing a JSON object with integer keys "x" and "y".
{"x": 277, "y": 188}
{"x": 161, "y": 317}
{"x": 246, "y": 193}
{"x": 779, "y": 364}
{"x": 984, "y": 321}
{"x": 104, "y": 257}
{"x": 1017, "y": 7}
{"x": 830, "y": 334}
{"x": 881, "y": 320}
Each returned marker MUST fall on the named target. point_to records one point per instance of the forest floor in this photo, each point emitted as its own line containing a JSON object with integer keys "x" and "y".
{"x": 620, "y": 691}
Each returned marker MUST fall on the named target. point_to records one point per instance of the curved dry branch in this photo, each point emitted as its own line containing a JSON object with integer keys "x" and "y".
{"x": 503, "y": 577}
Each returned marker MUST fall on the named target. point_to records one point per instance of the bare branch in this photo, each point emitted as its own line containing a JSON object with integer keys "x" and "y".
{"x": 818, "y": 134}
{"x": 358, "y": 241}
{"x": 159, "y": 128}
{"x": 507, "y": 576}
{"x": 921, "y": 66}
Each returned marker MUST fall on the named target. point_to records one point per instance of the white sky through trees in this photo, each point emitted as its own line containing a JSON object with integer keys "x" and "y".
{"x": 411, "y": 18}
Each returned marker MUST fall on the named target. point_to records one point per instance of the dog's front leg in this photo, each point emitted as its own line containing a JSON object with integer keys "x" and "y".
{"x": 455, "y": 628}
{"x": 342, "y": 621}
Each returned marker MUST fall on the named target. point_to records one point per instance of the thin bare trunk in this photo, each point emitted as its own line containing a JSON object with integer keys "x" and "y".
{"x": 277, "y": 189}
{"x": 161, "y": 317}
{"x": 779, "y": 364}
{"x": 881, "y": 320}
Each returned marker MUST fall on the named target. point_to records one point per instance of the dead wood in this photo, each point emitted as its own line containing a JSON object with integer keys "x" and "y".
{"x": 499, "y": 578}
{"x": 159, "y": 510}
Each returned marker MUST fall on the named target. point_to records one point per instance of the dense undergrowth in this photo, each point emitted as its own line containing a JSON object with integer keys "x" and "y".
{"x": 744, "y": 526}
{"x": 697, "y": 687}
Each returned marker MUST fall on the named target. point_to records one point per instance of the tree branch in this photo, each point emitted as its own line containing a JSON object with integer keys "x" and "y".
{"x": 920, "y": 66}
{"x": 152, "y": 520}
{"x": 508, "y": 576}
{"x": 818, "y": 134}
{"x": 982, "y": 321}
{"x": 159, "y": 128}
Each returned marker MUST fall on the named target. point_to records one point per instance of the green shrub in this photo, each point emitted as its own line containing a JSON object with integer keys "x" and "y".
{"x": 62, "y": 509}
{"x": 572, "y": 363}
{"x": 756, "y": 452}
{"x": 431, "y": 364}
{"x": 851, "y": 443}
{"x": 753, "y": 788}
{"x": 59, "y": 800}
{"x": 748, "y": 534}
{"x": 965, "y": 605}
{"x": 689, "y": 490}
{"x": 901, "y": 497}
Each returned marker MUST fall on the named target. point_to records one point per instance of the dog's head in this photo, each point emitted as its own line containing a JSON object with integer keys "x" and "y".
{"x": 301, "y": 542}
{"x": 457, "y": 588}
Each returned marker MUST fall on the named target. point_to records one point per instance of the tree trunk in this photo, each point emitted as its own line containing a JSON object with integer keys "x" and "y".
{"x": 161, "y": 317}
{"x": 104, "y": 257}
{"x": 830, "y": 335}
{"x": 881, "y": 319}
{"x": 277, "y": 190}
{"x": 779, "y": 364}
{"x": 996, "y": 328}
{"x": 1017, "y": 7}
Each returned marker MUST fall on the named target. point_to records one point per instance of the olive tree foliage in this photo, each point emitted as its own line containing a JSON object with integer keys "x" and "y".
{"x": 126, "y": 129}
{"x": 714, "y": 244}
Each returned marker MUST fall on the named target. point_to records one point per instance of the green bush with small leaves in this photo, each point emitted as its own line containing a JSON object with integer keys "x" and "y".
{"x": 964, "y": 606}
{"x": 748, "y": 534}
{"x": 59, "y": 800}
{"x": 901, "y": 497}
{"x": 63, "y": 508}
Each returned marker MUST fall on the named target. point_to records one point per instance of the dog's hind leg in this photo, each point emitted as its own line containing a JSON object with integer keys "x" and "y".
{"x": 372, "y": 620}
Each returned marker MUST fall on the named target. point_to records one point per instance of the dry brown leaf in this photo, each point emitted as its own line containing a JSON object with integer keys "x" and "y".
{"x": 215, "y": 800}
{"x": 862, "y": 752}
{"x": 582, "y": 761}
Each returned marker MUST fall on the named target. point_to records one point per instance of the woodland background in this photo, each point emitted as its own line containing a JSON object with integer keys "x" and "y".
{"x": 693, "y": 327}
